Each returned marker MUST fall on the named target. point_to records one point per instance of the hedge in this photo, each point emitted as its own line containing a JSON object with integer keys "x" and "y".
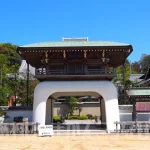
{"x": 75, "y": 117}
{"x": 83, "y": 117}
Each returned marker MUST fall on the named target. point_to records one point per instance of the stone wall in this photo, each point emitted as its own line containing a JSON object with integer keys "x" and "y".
{"x": 87, "y": 108}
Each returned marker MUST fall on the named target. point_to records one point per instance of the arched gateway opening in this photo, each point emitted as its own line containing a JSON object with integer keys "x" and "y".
{"x": 42, "y": 106}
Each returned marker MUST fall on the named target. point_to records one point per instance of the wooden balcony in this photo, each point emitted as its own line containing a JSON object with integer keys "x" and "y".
{"x": 87, "y": 74}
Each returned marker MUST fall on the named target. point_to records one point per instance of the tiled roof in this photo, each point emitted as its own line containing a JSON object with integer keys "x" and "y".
{"x": 75, "y": 44}
{"x": 135, "y": 77}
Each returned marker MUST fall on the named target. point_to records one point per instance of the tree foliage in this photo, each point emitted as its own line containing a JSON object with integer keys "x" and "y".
{"x": 10, "y": 61}
{"x": 5, "y": 92}
{"x": 145, "y": 62}
{"x": 135, "y": 67}
{"x": 22, "y": 90}
{"x": 123, "y": 72}
{"x": 71, "y": 102}
{"x": 10, "y": 81}
{"x": 11, "y": 53}
{"x": 123, "y": 82}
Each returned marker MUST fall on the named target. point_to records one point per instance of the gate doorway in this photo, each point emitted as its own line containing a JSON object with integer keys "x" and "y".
{"x": 85, "y": 111}
{"x": 75, "y": 88}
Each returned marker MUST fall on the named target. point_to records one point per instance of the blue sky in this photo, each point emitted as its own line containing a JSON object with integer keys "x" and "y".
{"x": 31, "y": 21}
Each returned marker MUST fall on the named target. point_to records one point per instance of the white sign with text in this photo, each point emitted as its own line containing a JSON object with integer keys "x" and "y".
{"x": 45, "y": 130}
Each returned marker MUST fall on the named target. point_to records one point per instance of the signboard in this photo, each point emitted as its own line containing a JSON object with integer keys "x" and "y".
{"x": 143, "y": 106}
{"x": 45, "y": 130}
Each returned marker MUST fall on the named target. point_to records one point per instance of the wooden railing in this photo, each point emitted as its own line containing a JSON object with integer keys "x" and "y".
{"x": 133, "y": 126}
{"x": 43, "y": 71}
{"x": 99, "y": 71}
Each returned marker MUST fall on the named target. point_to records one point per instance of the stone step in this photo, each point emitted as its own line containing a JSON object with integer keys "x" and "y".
{"x": 79, "y": 132}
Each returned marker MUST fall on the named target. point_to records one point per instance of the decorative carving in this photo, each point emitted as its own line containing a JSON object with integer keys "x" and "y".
{"x": 45, "y": 60}
{"x": 64, "y": 54}
{"x": 103, "y": 54}
{"x": 85, "y": 54}
{"x": 104, "y": 59}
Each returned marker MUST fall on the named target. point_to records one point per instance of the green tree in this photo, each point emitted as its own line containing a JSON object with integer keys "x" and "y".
{"x": 2, "y": 63}
{"x": 5, "y": 92}
{"x": 11, "y": 52}
{"x": 122, "y": 82}
{"x": 145, "y": 62}
{"x": 72, "y": 104}
{"x": 22, "y": 90}
{"x": 135, "y": 67}
{"x": 10, "y": 61}
{"x": 123, "y": 72}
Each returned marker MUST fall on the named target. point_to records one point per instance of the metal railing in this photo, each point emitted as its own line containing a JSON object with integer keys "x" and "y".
{"x": 19, "y": 128}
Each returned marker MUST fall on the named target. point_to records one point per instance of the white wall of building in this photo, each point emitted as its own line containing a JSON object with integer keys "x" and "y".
{"x": 76, "y": 88}
{"x": 140, "y": 116}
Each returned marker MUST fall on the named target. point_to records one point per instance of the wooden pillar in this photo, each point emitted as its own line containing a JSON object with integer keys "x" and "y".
{"x": 124, "y": 80}
{"x": 51, "y": 111}
{"x": 85, "y": 67}
{"x": 103, "y": 111}
{"x": 100, "y": 101}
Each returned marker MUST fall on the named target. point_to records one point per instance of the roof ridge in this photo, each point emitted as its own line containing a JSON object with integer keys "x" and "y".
{"x": 72, "y": 43}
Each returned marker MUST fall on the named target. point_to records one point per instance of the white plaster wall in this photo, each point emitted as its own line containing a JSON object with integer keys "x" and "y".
{"x": 143, "y": 117}
{"x": 140, "y": 116}
{"x": 92, "y": 108}
{"x": 76, "y": 88}
{"x": 23, "y": 68}
{"x": 125, "y": 116}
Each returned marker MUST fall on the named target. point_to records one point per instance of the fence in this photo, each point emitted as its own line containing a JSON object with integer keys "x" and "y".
{"x": 19, "y": 128}
{"x": 133, "y": 127}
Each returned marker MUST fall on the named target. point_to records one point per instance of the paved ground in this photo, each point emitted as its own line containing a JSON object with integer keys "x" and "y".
{"x": 102, "y": 142}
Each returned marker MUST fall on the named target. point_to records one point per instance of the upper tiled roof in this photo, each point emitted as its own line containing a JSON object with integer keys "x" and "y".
{"x": 135, "y": 77}
{"x": 75, "y": 44}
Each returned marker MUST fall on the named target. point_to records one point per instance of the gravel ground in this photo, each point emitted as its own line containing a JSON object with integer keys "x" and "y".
{"x": 100, "y": 142}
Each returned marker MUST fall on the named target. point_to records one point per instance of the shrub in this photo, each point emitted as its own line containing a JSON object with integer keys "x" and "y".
{"x": 73, "y": 117}
{"x": 89, "y": 116}
{"x": 56, "y": 119}
{"x": 94, "y": 117}
{"x": 83, "y": 117}
{"x": 2, "y": 113}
